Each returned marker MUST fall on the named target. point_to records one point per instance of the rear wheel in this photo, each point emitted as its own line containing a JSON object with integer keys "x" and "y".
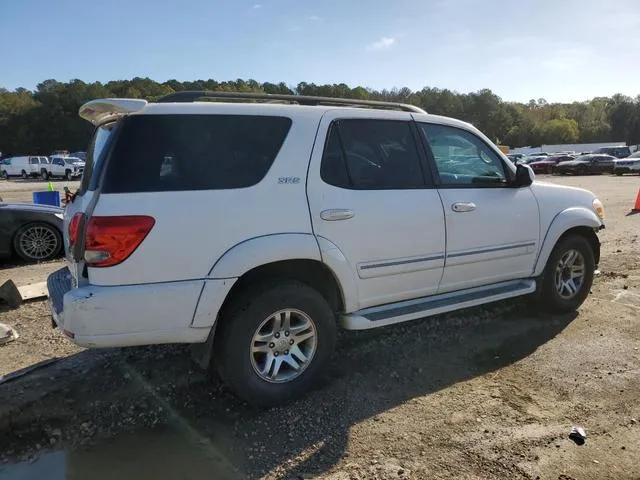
{"x": 274, "y": 343}
{"x": 37, "y": 242}
{"x": 44, "y": 175}
{"x": 568, "y": 275}
{"x": 5, "y": 175}
{"x": 68, "y": 176}
{"x": 24, "y": 175}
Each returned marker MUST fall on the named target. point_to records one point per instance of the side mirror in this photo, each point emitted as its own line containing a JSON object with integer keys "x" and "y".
{"x": 524, "y": 175}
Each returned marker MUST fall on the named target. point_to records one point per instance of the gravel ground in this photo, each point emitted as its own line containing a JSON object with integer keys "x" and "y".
{"x": 487, "y": 393}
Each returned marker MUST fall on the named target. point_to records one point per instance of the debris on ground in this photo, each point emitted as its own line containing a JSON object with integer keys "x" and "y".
{"x": 10, "y": 294}
{"x": 578, "y": 435}
{"x": 7, "y": 334}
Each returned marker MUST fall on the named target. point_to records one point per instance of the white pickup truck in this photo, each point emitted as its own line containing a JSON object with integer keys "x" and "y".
{"x": 255, "y": 229}
{"x": 65, "y": 167}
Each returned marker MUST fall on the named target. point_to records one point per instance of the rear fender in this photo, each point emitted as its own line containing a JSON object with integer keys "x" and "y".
{"x": 258, "y": 251}
{"x": 266, "y": 249}
{"x": 567, "y": 219}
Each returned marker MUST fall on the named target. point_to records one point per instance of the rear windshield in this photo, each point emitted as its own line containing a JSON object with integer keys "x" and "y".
{"x": 154, "y": 153}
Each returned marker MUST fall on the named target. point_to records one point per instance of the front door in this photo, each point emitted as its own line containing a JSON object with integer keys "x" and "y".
{"x": 370, "y": 197}
{"x": 492, "y": 227}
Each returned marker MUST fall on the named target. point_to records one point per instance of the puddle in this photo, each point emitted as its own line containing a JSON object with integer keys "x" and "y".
{"x": 158, "y": 454}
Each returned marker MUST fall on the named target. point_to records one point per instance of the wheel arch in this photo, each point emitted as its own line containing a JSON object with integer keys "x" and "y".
{"x": 578, "y": 220}
{"x": 311, "y": 272}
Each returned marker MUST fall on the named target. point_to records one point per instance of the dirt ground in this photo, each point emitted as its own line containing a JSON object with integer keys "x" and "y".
{"x": 486, "y": 393}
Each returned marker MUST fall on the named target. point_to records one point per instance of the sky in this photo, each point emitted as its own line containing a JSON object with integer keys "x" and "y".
{"x": 560, "y": 50}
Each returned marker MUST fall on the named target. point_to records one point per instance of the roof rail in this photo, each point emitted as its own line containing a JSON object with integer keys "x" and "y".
{"x": 194, "y": 95}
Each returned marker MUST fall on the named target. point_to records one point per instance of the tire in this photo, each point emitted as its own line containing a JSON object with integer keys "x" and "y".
{"x": 44, "y": 175}
{"x": 68, "y": 176}
{"x": 24, "y": 175}
{"x": 5, "y": 175}
{"x": 236, "y": 335}
{"x": 552, "y": 300}
{"x": 619, "y": 174}
{"x": 48, "y": 235}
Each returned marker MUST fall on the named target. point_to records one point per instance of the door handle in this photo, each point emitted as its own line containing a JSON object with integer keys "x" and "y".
{"x": 463, "y": 207}
{"x": 336, "y": 214}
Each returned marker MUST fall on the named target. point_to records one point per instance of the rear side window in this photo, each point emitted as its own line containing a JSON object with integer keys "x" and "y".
{"x": 193, "y": 152}
{"x": 371, "y": 155}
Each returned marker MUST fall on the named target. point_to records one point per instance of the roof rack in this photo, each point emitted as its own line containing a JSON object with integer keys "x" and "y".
{"x": 194, "y": 95}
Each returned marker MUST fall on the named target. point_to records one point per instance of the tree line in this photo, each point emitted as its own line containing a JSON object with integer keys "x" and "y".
{"x": 45, "y": 120}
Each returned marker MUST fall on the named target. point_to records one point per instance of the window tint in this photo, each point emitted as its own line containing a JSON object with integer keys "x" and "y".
{"x": 33, "y": 161}
{"x": 462, "y": 158}
{"x": 370, "y": 155}
{"x": 193, "y": 152}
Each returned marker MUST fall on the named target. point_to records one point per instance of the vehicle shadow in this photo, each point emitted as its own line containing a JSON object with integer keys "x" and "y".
{"x": 372, "y": 372}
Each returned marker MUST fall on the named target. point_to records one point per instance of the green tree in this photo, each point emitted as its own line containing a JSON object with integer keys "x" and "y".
{"x": 560, "y": 130}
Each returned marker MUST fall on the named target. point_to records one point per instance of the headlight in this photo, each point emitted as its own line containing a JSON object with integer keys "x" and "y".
{"x": 598, "y": 208}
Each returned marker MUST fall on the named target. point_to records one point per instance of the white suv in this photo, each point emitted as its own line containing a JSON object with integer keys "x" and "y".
{"x": 253, "y": 229}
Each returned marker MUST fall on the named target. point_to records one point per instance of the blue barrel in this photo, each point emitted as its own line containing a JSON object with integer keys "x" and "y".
{"x": 47, "y": 198}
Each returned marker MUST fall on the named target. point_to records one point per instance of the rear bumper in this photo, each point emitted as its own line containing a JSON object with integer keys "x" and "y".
{"x": 129, "y": 315}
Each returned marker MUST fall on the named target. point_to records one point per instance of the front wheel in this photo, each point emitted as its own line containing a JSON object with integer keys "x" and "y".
{"x": 44, "y": 175}
{"x": 274, "y": 343}
{"x": 568, "y": 275}
{"x": 68, "y": 176}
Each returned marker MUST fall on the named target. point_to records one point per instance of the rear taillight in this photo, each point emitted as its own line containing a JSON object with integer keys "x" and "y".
{"x": 111, "y": 240}
{"x": 74, "y": 227}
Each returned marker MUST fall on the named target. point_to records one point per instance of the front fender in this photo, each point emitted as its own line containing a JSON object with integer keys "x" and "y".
{"x": 567, "y": 219}
{"x": 258, "y": 251}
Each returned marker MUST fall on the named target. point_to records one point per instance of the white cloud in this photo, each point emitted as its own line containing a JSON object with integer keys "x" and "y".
{"x": 385, "y": 43}
{"x": 294, "y": 28}
{"x": 314, "y": 18}
{"x": 257, "y": 6}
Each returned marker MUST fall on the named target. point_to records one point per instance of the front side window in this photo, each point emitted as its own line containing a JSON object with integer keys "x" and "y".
{"x": 33, "y": 161}
{"x": 366, "y": 154}
{"x": 193, "y": 152}
{"x": 462, "y": 158}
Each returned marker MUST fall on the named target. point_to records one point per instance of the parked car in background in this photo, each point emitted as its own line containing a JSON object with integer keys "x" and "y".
{"x": 528, "y": 159}
{"x": 65, "y": 167}
{"x": 261, "y": 291}
{"x": 33, "y": 232}
{"x": 618, "y": 152}
{"x": 81, "y": 155}
{"x": 25, "y": 167}
{"x": 515, "y": 157}
{"x": 586, "y": 165}
{"x": 546, "y": 164}
{"x": 631, "y": 164}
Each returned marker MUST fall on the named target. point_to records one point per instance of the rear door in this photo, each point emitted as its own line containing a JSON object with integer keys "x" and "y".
{"x": 604, "y": 164}
{"x": 371, "y": 198}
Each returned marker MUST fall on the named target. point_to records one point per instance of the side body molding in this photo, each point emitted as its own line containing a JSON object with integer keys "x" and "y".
{"x": 563, "y": 221}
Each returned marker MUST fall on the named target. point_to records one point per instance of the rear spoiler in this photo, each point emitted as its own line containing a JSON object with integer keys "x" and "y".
{"x": 105, "y": 109}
